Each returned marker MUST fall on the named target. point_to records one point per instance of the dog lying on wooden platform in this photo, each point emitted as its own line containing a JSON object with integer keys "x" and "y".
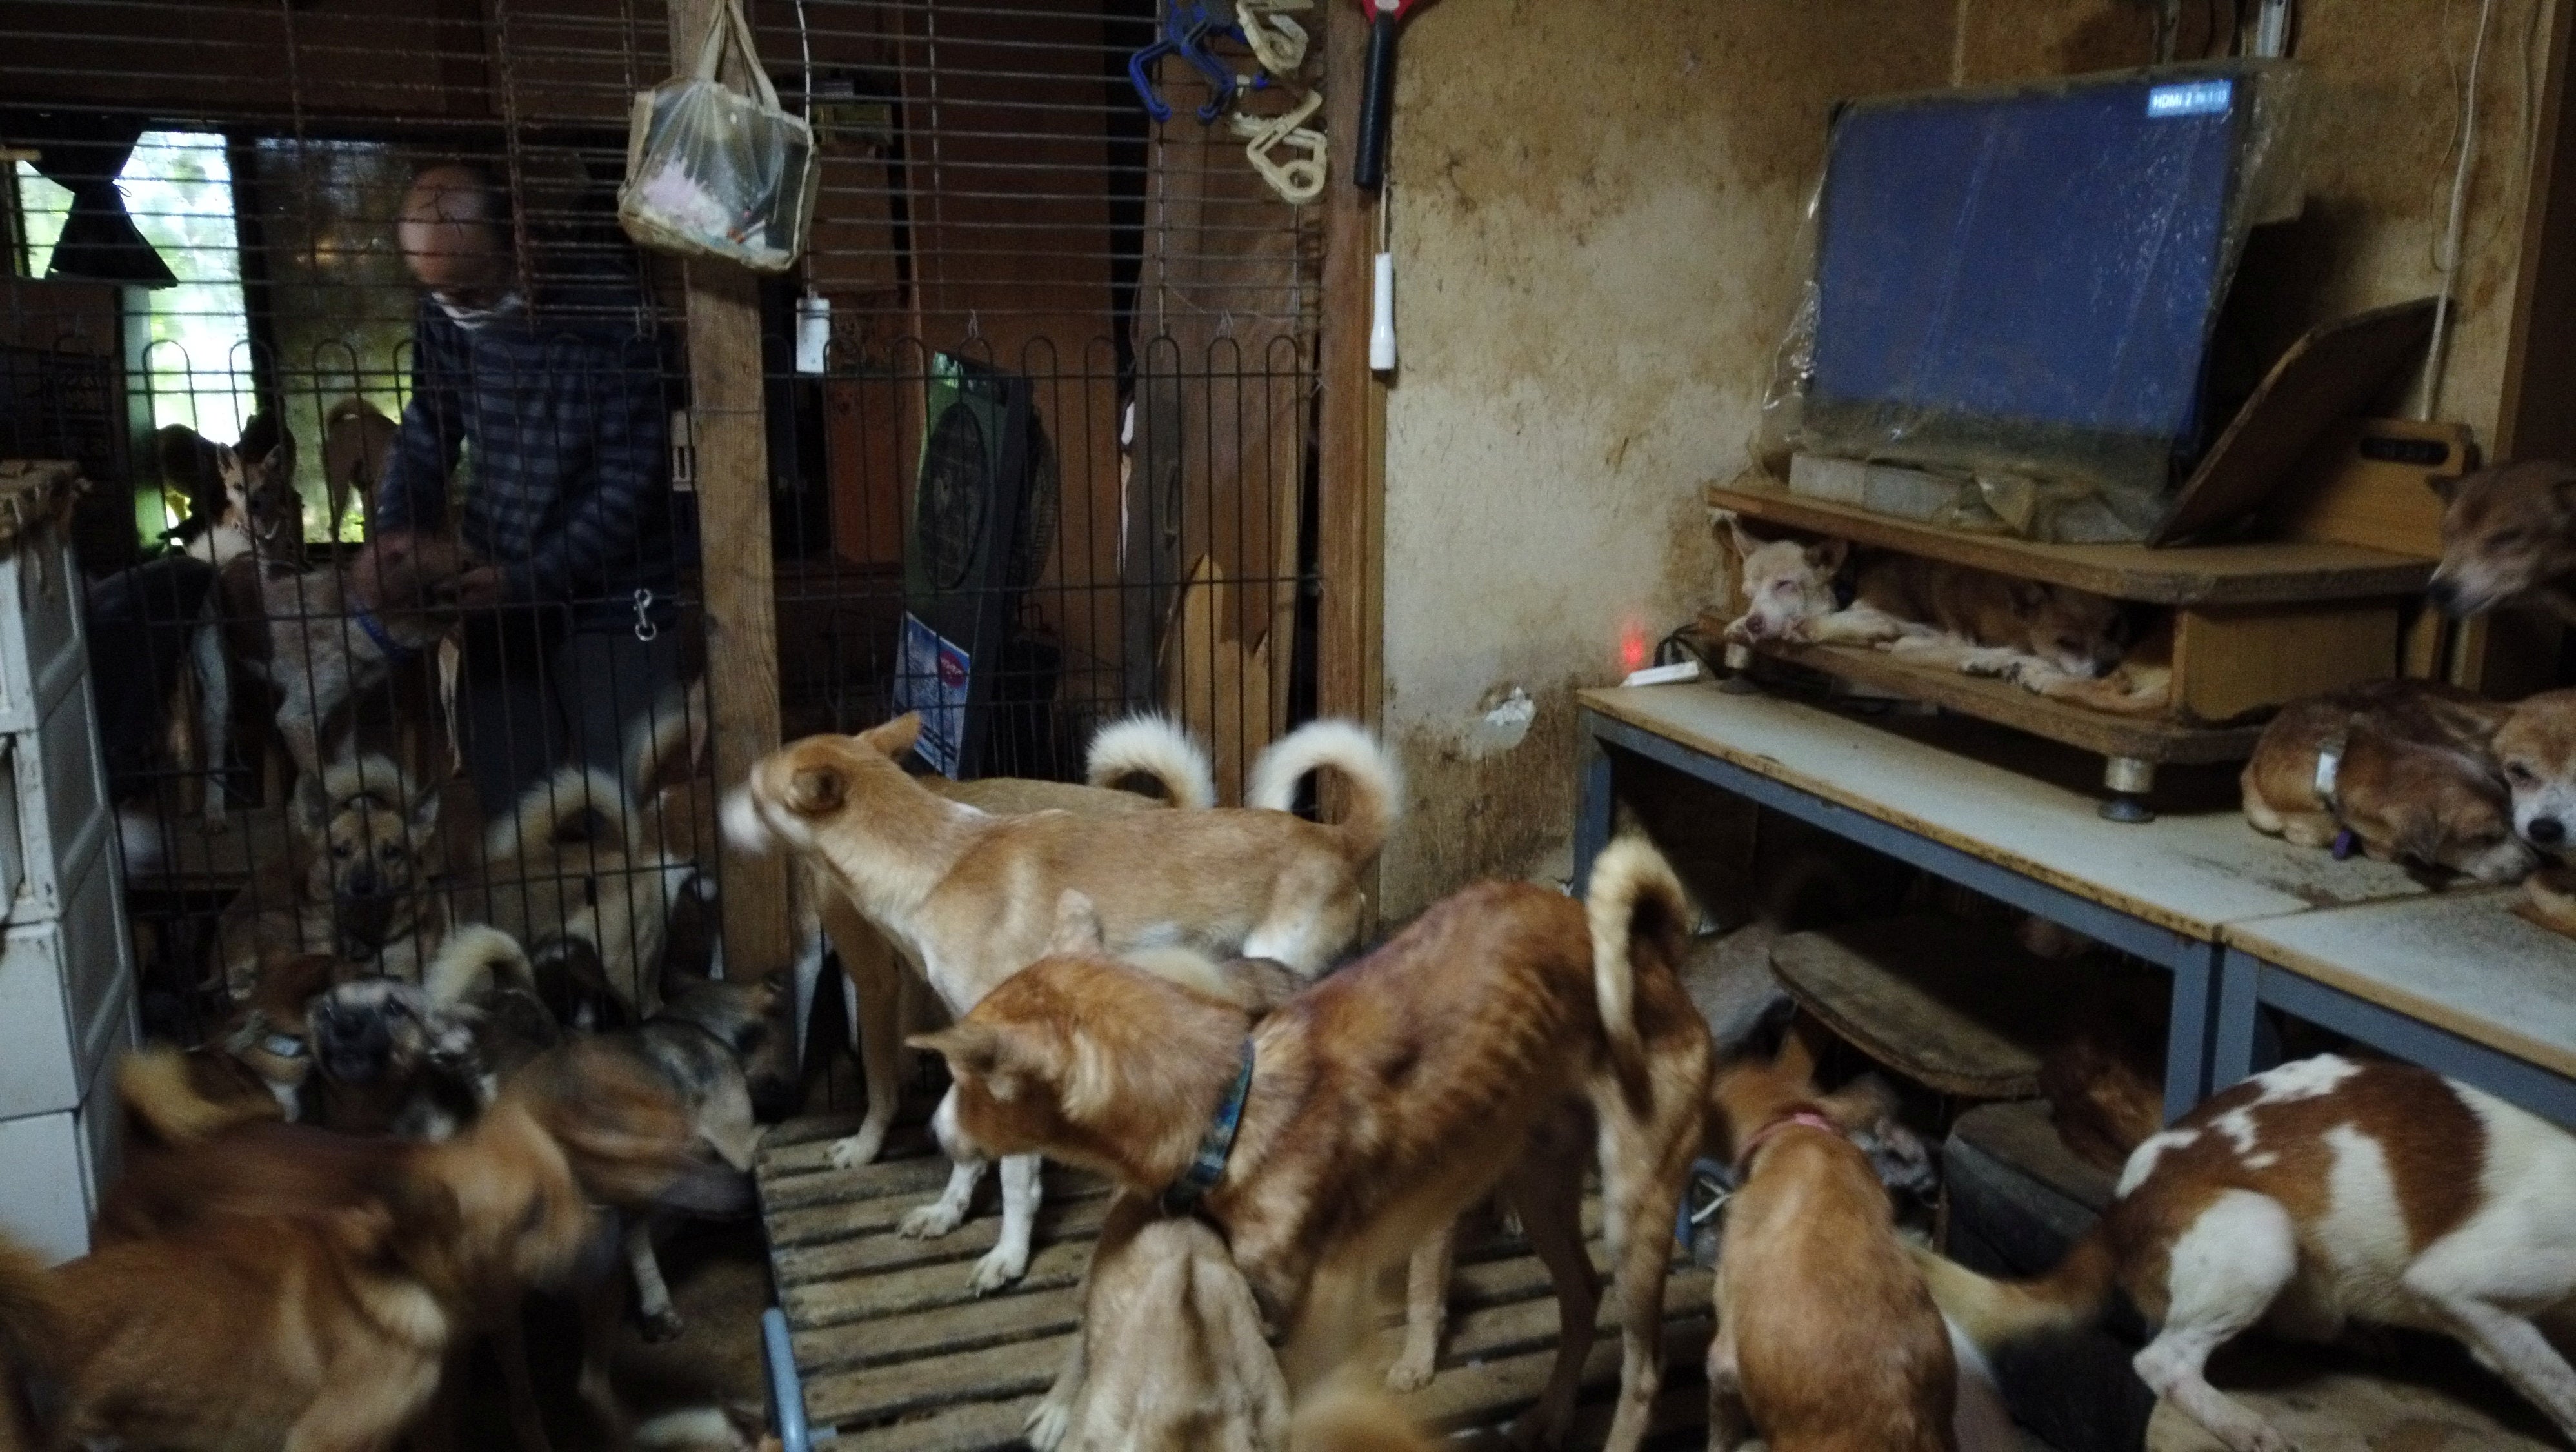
{"x": 1484, "y": 1048}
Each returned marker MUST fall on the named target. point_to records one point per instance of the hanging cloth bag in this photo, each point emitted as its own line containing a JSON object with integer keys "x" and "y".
{"x": 711, "y": 172}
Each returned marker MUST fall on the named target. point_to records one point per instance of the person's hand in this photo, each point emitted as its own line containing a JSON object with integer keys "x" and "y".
{"x": 480, "y": 588}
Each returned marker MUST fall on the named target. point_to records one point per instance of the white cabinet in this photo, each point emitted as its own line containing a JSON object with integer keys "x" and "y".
{"x": 67, "y": 995}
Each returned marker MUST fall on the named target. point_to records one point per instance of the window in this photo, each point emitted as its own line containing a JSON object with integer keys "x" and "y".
{"x": 196, "y": 359}
{"x": 42, "y": 206}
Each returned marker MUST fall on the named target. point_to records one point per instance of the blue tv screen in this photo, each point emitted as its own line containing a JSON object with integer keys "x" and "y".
{"x": 2027, "y": 279}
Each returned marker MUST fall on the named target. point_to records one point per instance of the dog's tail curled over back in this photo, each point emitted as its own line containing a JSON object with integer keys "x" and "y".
{"x": 1993, "y": 1314}
{"x": 576, "y": 804}
{"x": 1376, "y": 786}
{"x": 1637, "y": 909}
{"x": 475, "y": 959}
{"x": 164, "y": 1108}
{"x": 1155, "y": 746}
{"x": 31, "y": 1330}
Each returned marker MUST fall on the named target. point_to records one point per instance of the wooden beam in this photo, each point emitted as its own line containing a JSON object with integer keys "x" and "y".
{"x": 1350, "y": 502}
{"x": 2532, "y": 419}
{"x": 730, "y": 446}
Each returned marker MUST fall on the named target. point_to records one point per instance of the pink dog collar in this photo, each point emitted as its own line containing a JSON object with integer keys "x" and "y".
{"x": 1803, "y": 1119}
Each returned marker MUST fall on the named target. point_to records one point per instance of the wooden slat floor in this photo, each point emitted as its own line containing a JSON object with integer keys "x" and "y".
{"x": 898, "y": 1356}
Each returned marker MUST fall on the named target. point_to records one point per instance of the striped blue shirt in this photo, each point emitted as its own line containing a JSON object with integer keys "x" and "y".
{"x": 565, "y": 410}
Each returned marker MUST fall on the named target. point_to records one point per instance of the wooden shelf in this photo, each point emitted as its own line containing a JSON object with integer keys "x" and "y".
{"x": 2005, "y": 704}
{"x": 2230, "y": 574}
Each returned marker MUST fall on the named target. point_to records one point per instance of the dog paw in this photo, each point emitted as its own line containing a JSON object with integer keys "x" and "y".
{"x": 929, "y": 1222}
{"x": 662, "y": 1325}
{"x": 1048, "y": 1421}
{"x": 1000, "y": 1266}
{"x": 1991, "y": 664}
{"x": 859, "y": 1149}
{"x": 1411, "y": 1372}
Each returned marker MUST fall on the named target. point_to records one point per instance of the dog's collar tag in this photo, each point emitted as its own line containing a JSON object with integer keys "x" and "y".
{"x": 283, "y": 1046}
{"x": 2329, "y": 768}
{"x": 394, "y": 650}
{"x": 1184, "y": 1194}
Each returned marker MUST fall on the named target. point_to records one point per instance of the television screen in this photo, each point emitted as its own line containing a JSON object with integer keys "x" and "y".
{"x": 2024, "y": 281}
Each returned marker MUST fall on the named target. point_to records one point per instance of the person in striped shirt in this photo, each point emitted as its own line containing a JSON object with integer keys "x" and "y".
{"x": 548, "y": 385}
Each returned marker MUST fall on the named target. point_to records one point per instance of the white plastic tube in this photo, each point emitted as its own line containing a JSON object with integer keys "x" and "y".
{"x": 1382, "y": 318}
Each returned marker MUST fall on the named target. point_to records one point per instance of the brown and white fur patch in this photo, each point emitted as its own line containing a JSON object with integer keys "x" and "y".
{"x": 2411, "y": 777}
{"x": 2330, "y": 1190}
{"x": 2508, "y": 535}
{"x": 1496, "y": 1044}
{"x": 968, "y": 898}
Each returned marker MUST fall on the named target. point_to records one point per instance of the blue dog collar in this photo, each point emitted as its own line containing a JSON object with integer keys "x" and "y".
{"x": 394, "y": 650}
{"x": 1184, "y": 1194}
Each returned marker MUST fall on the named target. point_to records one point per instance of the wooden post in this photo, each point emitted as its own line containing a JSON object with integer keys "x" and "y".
{"x": 1350, "y": 499}
{"x": 1350, "y": 505}
{"x": 730, "y": 447}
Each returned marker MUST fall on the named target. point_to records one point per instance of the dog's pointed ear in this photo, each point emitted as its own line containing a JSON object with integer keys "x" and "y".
{"x": 1828, "y": 554}
{"x": 895, "y": 737}
{"x": 816, "y": 789}
{"x": 424, "y": 815}
{"x": 1796, "y": 1055}
{"x": 1077, "y": 928}
{"x": 979, "y": 1051}
{"x": 1743, "y": 541}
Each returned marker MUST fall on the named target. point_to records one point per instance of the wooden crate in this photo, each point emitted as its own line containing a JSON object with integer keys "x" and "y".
{"x": 897, "y": 1355}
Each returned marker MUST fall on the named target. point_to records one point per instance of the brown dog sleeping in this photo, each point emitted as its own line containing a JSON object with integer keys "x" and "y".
{"x": 2404, "y": 766}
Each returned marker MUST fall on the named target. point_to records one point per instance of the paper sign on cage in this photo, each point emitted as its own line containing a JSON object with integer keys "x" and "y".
{"x": 712, "y": 172}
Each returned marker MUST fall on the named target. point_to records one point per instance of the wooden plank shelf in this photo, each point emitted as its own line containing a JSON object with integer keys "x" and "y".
{"x": 2140, "y": 738}
{"x": 897, "y": 1355}
{"x": 2225, "y": 574}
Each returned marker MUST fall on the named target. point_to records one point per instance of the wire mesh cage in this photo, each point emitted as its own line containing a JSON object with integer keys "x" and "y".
{"x": 397, "y": 569}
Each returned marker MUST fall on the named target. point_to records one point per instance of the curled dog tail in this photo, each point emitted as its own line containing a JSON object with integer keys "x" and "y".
{"x": 1153, "y": 746}
{"x": 664, "y": 744}
{"x": 1377, "y": 787}
{"x": 152, "y": 1085}
{"x": 475, "y": 959}
{"x": 1634, "y": 903}
{"x": 1994, "y": 1314}
{"x": 31, "y": 1328}
{"x": 576, "y": 804}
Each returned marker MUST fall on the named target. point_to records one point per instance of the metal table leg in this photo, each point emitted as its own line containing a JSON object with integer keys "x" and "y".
{"x": 1593, "y": 804}
{"x": 2187, "y": 1055}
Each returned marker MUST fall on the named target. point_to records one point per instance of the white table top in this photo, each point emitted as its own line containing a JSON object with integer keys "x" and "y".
{"x": 2462, "y": 961}
{"x": 2192, "y": 870}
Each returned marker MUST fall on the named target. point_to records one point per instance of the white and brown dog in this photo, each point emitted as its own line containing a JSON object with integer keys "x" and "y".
{"x": 2327, "y": 1191}
{"x": 969, "y": 898}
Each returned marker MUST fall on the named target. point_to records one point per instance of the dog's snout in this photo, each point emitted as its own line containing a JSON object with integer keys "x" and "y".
{"x": 2546, "y": 831}
{"x": 2445, "y": 595}
{"x": 361, "y": 881}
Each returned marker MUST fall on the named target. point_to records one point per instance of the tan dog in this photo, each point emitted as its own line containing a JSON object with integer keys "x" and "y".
{"x": 1375, "y": 1106}
{"x": 365, "y": 850}
{"x": 356, "y": 438}
{"x": 1180, "y": 1364}
{"x": 968, "y": 898}
{"x": 2536, "y": 748}
{"x": 2508, "y": 534}
{"x": 1971, "y": 620}
{"x": 248, "y": 1319}
{"x": 1825, "y": 1335}
{"x": 2327, "y": 1190}
{"x": 882, "y": 994}
{"x": 2403, "y": 764}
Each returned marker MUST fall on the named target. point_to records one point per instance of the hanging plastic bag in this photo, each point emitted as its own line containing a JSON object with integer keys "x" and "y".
{"x": 712, "y": 172}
